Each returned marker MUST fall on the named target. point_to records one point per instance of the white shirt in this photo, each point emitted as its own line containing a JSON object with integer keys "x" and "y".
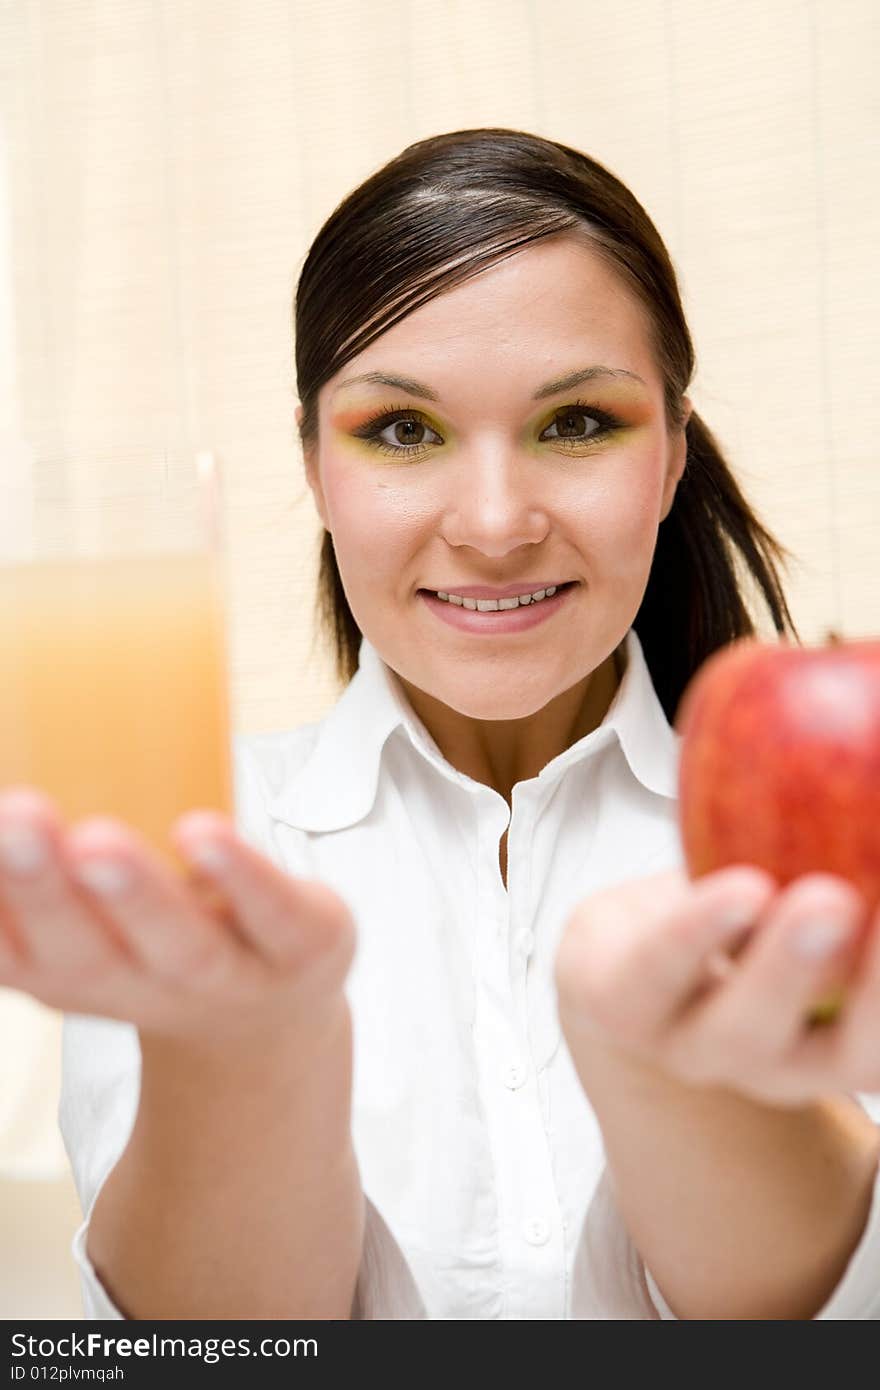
{"x": 480, "y": 1156}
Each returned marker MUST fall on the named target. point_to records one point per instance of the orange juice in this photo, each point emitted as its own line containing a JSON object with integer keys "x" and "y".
{"x": 113, "y": 688}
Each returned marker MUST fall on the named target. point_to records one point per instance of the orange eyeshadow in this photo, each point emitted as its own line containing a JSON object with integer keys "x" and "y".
{"x": 348, "y": 419}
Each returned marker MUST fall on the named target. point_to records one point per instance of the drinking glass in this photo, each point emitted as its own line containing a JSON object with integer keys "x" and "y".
{"x": 113, "y": 661}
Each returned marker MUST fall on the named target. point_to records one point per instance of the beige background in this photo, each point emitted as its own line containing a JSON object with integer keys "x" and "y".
{"x": 164, "y": 165}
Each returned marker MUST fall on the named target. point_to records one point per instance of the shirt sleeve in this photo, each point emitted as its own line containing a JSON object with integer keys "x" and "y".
{"x": 100, "y": 1086}
{"x": 99, "y": 1095}
{"x": 100, "y": 1090}
{"x": 386, "y": 1289}
{"x": 611, "y": 1280}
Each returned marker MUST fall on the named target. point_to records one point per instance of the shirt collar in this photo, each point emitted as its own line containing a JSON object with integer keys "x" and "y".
{"x": 336, "y": 786}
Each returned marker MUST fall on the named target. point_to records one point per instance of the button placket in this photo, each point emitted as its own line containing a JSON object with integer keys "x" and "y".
{"x": 533, "y": 1264}
{"x": 519, "y": 878}
{"x": 524, "y": 942}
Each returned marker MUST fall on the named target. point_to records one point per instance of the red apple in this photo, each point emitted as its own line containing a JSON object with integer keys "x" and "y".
{"x": 780, "y": 762}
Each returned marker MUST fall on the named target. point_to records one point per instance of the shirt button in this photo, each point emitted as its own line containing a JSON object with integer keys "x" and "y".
{"x": 525, "y": 941}
{"x": 536, "y": 1230}
{"x": 514, "y": 1076}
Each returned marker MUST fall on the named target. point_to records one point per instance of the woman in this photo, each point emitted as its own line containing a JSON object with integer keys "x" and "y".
{"x": 465, "y": 1042}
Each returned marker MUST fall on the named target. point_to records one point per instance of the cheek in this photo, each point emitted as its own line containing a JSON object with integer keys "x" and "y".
{"x": 375, "y": 522}
{"x": 623, "y": 512}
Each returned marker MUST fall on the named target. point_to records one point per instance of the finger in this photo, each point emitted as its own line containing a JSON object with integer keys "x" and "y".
{"x": 288, "y": 920}
{"x": 47, "y": 925}
{"x": 853, "y": 1047}
{"x": 722, "y": 962}
{"x": 672, "y": 957}
{"x": 166, "y": 930}
{"x": 798, "y": 951}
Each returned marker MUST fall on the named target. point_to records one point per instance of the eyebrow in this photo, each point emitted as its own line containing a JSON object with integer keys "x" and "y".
{"x": 551, "y": 388}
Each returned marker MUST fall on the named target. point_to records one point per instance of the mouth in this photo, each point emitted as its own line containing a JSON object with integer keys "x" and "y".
{"x": 480, "y": 601}
{"x": 487, "y": 616}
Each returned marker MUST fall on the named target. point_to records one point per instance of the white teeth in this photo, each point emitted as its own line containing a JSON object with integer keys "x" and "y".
{"x": 493, "y": 605}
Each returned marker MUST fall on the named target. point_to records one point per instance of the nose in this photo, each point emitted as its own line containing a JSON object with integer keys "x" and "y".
{"x": 496, "y": 503}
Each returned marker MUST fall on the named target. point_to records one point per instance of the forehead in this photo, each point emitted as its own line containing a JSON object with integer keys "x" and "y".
{"x": 555, "y": 305}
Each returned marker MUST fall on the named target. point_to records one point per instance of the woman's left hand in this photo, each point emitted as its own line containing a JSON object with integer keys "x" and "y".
{"x": 644, "y": 972}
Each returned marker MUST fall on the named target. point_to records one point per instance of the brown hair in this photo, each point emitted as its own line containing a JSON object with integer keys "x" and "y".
{"x": 445, "y": 209}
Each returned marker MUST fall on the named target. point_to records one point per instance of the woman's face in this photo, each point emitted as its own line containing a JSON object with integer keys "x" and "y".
{"x": 499, "y": 480}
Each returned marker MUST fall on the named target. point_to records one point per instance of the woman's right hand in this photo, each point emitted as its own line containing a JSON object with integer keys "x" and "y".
{"x": 146, "y": 946}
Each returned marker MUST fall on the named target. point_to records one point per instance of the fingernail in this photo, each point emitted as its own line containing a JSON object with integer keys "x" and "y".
{"x": 23, "y": 851}
{"x": 208, "y": 855}
{"x": 820, "y": 936}
{"x": 106, "y": 877}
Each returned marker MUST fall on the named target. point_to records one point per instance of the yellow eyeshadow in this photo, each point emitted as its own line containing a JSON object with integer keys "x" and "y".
{"x": 629, "y": 408}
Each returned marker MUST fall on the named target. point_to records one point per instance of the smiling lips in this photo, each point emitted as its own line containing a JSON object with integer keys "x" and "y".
{"x": 494, "y": 605}
{"x": 515, "y": 613}
{"x": 507, "y": 591}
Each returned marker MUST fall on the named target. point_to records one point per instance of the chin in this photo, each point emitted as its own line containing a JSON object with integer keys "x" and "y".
{"x": 494, "y": 702}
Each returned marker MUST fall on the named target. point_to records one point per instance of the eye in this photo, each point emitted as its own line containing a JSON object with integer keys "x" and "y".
{"x": 406, "y": 428}
{"x": 401, "y": 431}
{"x": 580, "y": 423}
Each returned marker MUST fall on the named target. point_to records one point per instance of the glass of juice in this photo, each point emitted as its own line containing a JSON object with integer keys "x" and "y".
{"x": 113, "y": 663}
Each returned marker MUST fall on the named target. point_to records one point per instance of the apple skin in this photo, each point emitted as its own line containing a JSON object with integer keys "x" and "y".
{"x": 780, "y": 762}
